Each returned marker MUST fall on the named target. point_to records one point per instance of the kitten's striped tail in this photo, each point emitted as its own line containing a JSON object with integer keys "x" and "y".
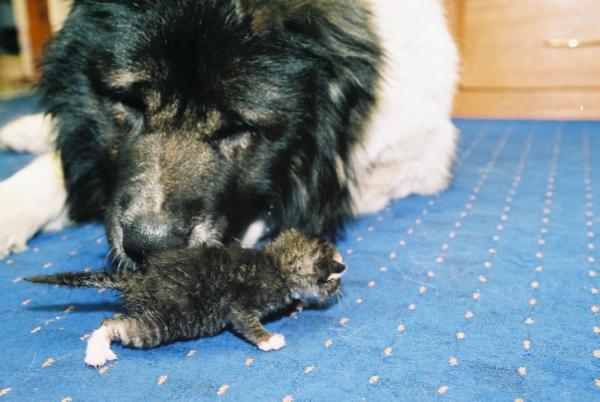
{"x": 100, "y": 279}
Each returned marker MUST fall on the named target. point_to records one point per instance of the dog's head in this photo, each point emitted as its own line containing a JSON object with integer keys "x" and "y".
{"x": 197, "y": 118}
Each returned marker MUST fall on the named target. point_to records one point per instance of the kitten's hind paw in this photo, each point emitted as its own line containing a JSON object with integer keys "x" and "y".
{"x": 275, "y": 342}
{"x": 98, "y": 349}
{"x": 99, "y": 357}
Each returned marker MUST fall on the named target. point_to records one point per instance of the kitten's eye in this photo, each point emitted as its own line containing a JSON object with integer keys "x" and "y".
{"x": 129, "y": 97}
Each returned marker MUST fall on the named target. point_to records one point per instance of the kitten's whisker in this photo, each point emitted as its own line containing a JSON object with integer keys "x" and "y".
{"x": 212, "y": 243}
{"x": 339, "y": 295}
{"x": 106, "y": 258}
{"x": 115, "y": 257}
{"x": 185, "y": 274}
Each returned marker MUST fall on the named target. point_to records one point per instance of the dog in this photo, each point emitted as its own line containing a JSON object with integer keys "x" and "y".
{"x": 213, "y": 121}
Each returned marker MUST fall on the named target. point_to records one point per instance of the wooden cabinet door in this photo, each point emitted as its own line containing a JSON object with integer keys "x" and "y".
{"x": 524, "y": 43}
{"x": 39, "y": 30}
{"x": 528, "y": 58}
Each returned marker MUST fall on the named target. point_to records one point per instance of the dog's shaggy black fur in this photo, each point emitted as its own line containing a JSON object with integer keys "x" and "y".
{"x": 183, "y": 121}
{"x": 194, "y": 292}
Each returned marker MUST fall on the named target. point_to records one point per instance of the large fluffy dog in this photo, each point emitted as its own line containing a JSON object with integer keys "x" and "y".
{"x": 187, "y": 121}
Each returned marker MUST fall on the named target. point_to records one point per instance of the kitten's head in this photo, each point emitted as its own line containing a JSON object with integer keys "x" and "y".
{"x": 313, "y": 267}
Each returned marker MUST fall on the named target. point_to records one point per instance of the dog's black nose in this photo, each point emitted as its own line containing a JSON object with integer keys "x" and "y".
{"x": 149, "y": 235}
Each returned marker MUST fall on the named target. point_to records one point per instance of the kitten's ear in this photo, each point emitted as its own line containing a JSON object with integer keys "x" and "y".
{"x": 336, "y": 270}
{"x": 337, "y": 257}
{"x": 337, "y": 267}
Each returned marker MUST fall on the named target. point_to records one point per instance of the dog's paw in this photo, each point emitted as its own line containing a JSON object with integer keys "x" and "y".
{"x": 29, "y": 200}
{"x": 275, "y": 342}
{"x": 15, "y": 243}
{"x": 15, "y": 229}
{"x": 31, "y": 133}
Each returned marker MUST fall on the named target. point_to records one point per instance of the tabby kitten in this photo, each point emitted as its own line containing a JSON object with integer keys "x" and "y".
{"x": 195, "y": 292}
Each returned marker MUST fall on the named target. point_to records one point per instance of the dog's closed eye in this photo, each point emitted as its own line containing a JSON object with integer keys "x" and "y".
{"x": 128, "y": 116}
{"x": 233, "y": 141}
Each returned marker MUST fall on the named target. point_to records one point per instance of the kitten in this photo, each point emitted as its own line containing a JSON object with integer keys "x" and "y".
{"x": 195, "y": 292}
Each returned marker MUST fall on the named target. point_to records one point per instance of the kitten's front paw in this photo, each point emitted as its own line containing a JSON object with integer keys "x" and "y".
{"x": 301, "y": 305}
{"x": 275, "y": 342}
{"x": 96, "y": 357}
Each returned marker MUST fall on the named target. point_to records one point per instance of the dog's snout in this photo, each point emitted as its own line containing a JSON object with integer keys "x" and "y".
{"x": 149, "y": 235}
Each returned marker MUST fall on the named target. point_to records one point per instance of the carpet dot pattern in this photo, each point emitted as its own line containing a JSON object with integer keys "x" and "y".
{"x": 488, "y": 291}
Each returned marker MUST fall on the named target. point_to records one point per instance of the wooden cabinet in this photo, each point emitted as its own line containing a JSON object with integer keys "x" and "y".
{"x": 520, "y": 58}
{"x": 528, "y": 58}
{"x": 36, "y": 19}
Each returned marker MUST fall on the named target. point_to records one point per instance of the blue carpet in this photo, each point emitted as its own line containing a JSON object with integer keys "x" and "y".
{"x": 486, "y": 292}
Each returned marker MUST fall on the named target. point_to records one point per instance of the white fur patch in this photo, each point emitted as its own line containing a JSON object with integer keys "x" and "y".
{"x": 410, "y": 142}
{"x": 31, "y": 199}
{"x": 336, "y": 276}
{"x": 204, "y": 233}
{"x": 33, "y": 133}
{"x": 59, "y": 223}
{"x": 275, "y": 342}
{"x": 254, "y": 233}
{"x": 98, "y": 349}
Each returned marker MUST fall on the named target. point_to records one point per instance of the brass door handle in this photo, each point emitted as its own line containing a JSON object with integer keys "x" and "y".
{"x": 571, "y": 43}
